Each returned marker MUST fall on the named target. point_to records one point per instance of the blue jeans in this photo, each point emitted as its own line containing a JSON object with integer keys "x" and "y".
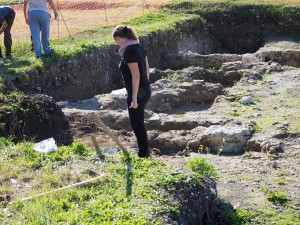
{"x": 39, "y": 22}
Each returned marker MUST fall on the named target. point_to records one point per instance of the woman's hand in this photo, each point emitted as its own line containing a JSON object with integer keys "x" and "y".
{"x": 133, "y": 104}
{"x": 55, "y": 15}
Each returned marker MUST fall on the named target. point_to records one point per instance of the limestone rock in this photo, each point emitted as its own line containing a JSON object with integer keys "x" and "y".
{"x": 165, "y": 96}
{"x": 168, "y": 142}
{"x": 231, "y": 138}
{"x": 246, "y": 100}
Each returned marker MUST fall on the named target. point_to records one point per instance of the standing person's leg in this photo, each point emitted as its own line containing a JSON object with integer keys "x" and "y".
{"x": 45, "y": 25}
{"x": 7, "y": 35}
{"x": 136, "y": 117}
{"x": 35, "y": 27}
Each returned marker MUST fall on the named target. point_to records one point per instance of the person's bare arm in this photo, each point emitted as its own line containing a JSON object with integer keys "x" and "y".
{"x": 25, "y": 9}
{"x": 135, "y": 73}
{"x": 147, "y": 68}
{"x": 3, "y": 27}
{"x": 54, "y": 8}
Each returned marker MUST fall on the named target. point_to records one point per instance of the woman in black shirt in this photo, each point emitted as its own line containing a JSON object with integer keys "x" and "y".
{"x": 134, "y": 67}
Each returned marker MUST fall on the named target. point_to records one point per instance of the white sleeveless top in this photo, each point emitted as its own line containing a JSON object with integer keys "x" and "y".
{"x": 38, "y": 5}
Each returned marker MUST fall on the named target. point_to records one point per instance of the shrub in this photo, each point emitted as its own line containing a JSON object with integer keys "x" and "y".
{"x": 80, "y": 149}
{"x": 277, "y": 197}
{"x": 202, "y": 167}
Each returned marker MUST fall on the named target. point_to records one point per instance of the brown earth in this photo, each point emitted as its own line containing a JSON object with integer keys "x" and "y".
{"x": 245, "y": 180}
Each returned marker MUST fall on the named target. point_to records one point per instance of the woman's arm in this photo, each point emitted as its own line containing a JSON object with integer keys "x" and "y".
{"x": 147, "y": 68}
{"x": 54, "y": 8}
{"x": 3, "y": 27}
{"x": 25, "y": 9}
{"x": 135, "y": 73}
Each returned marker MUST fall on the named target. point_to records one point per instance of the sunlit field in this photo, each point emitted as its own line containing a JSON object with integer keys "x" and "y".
{"x": 77, "y": 16}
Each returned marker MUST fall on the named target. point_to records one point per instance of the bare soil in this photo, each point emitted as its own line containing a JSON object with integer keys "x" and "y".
{"x": 245, "y": 180}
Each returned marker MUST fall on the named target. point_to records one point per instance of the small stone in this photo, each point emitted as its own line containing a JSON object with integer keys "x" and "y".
{"x": 247, "y": 100}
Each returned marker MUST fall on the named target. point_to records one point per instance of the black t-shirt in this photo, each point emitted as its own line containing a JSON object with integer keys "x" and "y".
{"x": 134, "y": 53}
{"x": 4, "y": 11}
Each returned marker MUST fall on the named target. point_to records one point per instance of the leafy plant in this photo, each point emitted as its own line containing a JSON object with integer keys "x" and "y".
{"x": 172, "y": 77}
{"x": 277, "y": 197}
{"x": 182, "y": 115}
{"x": 228, "y": 215}
{"x": 80, "y": 149}
{"x": 202, "y": 167}
{"x": 248, "y": 154}
{"x": 235, "y": 112}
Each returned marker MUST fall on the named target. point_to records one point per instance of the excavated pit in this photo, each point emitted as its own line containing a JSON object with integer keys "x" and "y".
{"x": 192, "y": 73}
{"x": 212, "y": 51}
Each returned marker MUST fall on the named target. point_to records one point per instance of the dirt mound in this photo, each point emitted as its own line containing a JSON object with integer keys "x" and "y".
{"x": 33, "y": 117}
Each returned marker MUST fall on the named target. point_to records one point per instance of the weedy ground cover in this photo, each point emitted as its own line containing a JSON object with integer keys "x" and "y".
{"x": 122, "y": 196}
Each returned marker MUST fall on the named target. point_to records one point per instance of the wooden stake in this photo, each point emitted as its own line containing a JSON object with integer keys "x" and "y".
{"x": 107, "y": 131}
{"x": 80, "y": 184}
{"x": 97, "y": 149}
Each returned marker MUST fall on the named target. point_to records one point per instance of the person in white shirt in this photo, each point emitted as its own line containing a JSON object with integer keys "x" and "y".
{"x": 37, "y": 16}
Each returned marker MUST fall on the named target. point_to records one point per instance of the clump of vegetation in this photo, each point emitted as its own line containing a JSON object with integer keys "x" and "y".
{"x": 202, "y": 167}
{"x": 229, "y": 215}
{"x": 277, "y": 197}
{"x": 248, "y": 154}
{"x": 80, "y": 149}
{"x": 235, "y": 112}
{"x": 182, "y": 115}
{"x": 254, "y": 127}
{"x": 172, "y": 77}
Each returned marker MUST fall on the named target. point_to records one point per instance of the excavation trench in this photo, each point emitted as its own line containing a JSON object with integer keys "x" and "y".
{"x": 194, "y": 66}
{"x": 205, "y": 45}
{"x": 243, "y": 29}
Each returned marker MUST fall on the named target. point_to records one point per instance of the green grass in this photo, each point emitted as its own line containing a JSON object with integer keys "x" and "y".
{"x": 10, "y": 2}
{"x": 277, "y": 197}
{"x": 202, "y": 167}
{"x": 87, "y": 41}
{"x": 137, "y": 196}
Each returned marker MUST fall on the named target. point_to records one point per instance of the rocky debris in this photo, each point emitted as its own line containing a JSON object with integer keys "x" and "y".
{"x": 258, "y": 67}
{"x": 226, "y": 139}
{"x": 231, "y": 139}
{"x": 215, "y": 61}
{"x": 282, "y": 126}
{"x": 227, "y": 79}
{"x": 271, "y": 146}
{"x": 5, "y": 197}
{"x": 188, "y": 121}
{"x": 249, "y": 59}
{"x": 283, "y": 51}
{"x": 233, "y": 66}
{"x": 283, "y": 57}
{"x": 165, "y": 96}
{"x": 168, "y": 142}
{"x": 247, "y": 100}
{"x": 173, "y": 141}
{"x": 157, "y": 74}
{"x": 177, "y": 102}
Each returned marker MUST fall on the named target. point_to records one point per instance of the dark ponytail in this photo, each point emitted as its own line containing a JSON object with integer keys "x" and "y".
{"x": 124, "y": 32}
